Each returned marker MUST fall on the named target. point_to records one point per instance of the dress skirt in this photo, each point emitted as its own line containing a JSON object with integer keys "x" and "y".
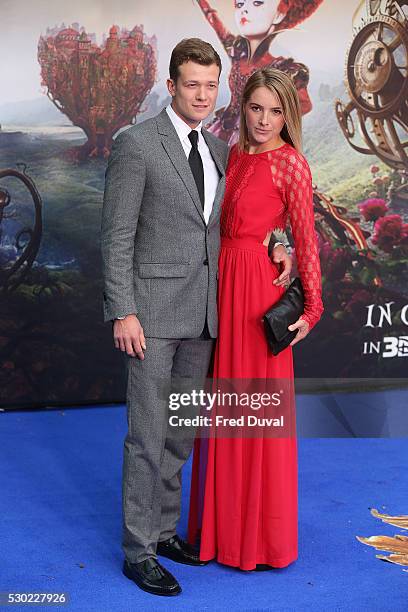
{"x": 244, "y": 489}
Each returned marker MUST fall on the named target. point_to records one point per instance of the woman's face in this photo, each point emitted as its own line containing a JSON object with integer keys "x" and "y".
{"x": 254, "y": 18}
{"x": 264, "y": 118}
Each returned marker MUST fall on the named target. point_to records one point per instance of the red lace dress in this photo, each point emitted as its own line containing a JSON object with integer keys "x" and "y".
{"x": 244, "y": 490}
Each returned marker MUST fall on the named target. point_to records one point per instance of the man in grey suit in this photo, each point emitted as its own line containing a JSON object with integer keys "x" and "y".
{"x": 160, "y": 241}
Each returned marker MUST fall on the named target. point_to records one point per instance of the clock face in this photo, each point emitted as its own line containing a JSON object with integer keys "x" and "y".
{"x": 377, "y": 66}
{"x": 372, "y": 66}
{"x": 375, "y": 119}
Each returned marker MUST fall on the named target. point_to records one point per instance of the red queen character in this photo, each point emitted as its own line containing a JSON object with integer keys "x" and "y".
{"x": 258, "y": 22}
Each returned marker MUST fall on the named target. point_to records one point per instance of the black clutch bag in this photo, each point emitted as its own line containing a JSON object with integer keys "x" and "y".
{"x": 282, "y": 314}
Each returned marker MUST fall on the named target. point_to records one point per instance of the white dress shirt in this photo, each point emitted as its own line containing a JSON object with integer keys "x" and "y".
{"x": 211, "y": 176}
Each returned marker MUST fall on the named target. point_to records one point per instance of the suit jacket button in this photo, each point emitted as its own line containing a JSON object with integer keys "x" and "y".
{"x": 205, "y": 262}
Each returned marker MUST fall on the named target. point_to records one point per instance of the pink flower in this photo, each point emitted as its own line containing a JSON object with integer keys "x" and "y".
{"x": 389, "y": 232}
{"x": 377, "y": 181}
{"x": 374, "y": 169}
{"x": 373, "y": 208}
{"x": 335, "y": 262}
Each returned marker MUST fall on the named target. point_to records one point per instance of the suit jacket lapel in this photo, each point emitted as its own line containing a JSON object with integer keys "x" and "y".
{"x": 221, "y": 183}
{"x": 213, "y": 152}
{"x": 175, "y": 151}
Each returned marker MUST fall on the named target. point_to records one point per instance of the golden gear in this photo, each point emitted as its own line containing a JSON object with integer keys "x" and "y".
{"x": 377, "y": 81}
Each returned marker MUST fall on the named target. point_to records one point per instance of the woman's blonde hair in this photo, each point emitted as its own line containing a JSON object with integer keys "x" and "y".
{"x": 283, "y": 87}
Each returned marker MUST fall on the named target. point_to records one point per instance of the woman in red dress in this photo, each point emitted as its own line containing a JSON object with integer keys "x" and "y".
{"x": 247, "y": 515}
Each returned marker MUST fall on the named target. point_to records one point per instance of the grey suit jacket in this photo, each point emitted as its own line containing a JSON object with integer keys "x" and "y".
{"x": 159, "y": 256}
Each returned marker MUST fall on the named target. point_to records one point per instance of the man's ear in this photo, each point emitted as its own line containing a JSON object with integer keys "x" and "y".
{"x": 171, "y": 87}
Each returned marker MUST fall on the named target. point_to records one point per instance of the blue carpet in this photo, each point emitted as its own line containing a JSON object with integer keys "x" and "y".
{"x": 61, "y": 523}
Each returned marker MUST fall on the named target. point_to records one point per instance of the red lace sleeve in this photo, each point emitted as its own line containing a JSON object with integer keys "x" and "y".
{"x": 299, "y": 201}
{"x": 226, "y": 37}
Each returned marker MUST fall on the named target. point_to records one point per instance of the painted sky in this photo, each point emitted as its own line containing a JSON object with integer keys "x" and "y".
{"x": 320, "y": 42}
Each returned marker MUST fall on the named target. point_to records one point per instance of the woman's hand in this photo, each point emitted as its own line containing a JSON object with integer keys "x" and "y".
{"x": 303, "y": 327}
{"x": 283, "y": 260}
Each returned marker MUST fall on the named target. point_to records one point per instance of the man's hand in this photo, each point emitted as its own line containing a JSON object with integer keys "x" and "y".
{"x": 129, "y": 337}
{"x": 303, "y": 327}
{"x": 281, "y": 257}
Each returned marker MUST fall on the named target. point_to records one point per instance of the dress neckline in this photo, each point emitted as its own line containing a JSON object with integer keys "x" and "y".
{"x": 286, "y": 144}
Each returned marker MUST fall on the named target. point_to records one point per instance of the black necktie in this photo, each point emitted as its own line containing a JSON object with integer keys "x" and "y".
{"x": 196, "y": 164}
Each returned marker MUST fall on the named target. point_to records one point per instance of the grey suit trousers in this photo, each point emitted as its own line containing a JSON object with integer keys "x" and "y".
{"x": 153, "y": 455}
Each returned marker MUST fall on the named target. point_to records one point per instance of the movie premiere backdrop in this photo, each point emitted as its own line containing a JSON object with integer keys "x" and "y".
{"x": 75, "y": 73}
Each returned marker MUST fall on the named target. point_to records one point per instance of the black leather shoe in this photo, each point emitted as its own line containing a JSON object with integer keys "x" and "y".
{"x": 263, "y": 567}
{"x": 152, "y": 577}
{"x": 177, "y": 550}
